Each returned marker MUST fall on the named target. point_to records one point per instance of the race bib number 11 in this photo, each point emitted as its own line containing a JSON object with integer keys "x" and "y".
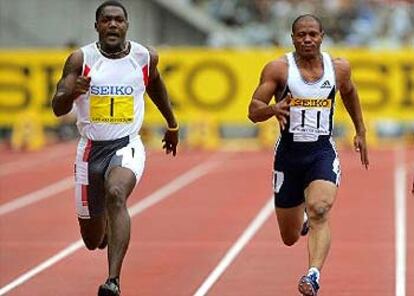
{"x": 111, "y": 109}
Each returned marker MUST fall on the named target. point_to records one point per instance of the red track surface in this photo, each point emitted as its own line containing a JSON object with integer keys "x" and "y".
{"x": 179, "y": 241}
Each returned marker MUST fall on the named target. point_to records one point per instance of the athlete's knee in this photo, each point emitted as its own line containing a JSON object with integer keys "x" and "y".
{"x": 289, "y": 239}
{"x": 90, "y": 246}
{"x": 91, "y": 243}
{"x": 116, "y": 197}
{"x": 318, "y": 211}
{"x": 92, "y": 232}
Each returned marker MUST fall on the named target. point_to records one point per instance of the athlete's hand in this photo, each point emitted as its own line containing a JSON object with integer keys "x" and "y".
{"x": 170, "y": 141}
{"x": 360, "y": 145}
{"x": 82, "y": 85}
{"x": 281, "y": 110}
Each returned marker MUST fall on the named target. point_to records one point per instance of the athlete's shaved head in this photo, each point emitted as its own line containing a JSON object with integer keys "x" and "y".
{"x": 306, "y": 16}
{"x": 110, "y": 3}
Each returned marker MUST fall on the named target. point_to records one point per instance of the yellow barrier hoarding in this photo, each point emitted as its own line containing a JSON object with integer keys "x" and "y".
{"x": 27, "y": 82}
{"x": 221, "y": 82}
{"x": 212, "y": 84}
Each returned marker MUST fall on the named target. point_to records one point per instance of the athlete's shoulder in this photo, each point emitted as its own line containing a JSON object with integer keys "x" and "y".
{"x": 89, "y": 50}
{"x": 136, "y": 46}
{"x": 73, "y": 63}
{"x": 276, "y": 70}
{"x": 153, "y": 54}
{"x": 88, "y": 46}
{"x": 152, "y": 51}
{"x": 76, "y": 57}
{"x": 278, "y": 64}
{"x": 141, "y": 49}
{"x": 342, "y": 68}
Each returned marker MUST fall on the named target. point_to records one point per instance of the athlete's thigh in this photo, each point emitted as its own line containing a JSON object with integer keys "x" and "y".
{"x": 288, "y": 188}
{"x": 89, "y": 172}
{"x": 325, "y": 165}
{"x": 323, "y": 178}
{"x": 89, "y": 193}
{"x": 123, "y": 179}
{"x": 288, "y": 180}
{"x": 127, "y": 165}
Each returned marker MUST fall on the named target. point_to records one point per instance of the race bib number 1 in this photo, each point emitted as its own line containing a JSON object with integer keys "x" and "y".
{"x": 111, "y": 109}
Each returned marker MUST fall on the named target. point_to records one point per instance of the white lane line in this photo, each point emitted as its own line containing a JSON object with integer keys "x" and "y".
{"x": 36, "y": 196}
{"x": 72, "y": 248}
{"x": 400, "y": 186}
{"x": 148, "y": 201}
{"x": 33, "y": 197}
{"x": 172, "y": 187}
{"x": 37, "y": 159}
{"x": 237, "y": 247}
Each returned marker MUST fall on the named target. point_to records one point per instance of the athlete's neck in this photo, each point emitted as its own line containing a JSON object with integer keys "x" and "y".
{"x": 308, "y": 61}
{"x": 114, "y": 52}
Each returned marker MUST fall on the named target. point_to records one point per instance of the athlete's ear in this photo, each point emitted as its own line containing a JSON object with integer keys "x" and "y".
{"x": 322, "y": 34}
{"x": 96, "y": 26}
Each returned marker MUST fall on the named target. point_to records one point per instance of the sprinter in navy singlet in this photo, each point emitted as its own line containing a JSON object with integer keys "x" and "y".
{"x": 306, "y": 167}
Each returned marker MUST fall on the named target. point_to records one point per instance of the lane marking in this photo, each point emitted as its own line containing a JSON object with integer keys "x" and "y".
{"x": 400, "y": 186}
{"x": 37, "y": 159}
{"x": 36, "y": 196}
{"x": 72, "y": 248}
{"x": 148, "y": 201}
{"x": 237, "y": 247}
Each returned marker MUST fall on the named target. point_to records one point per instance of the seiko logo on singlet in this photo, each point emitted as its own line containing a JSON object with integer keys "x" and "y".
{"x": 311, "y": 103}
{"x": 112, "y": 90}
{"x": 326, "y": 84}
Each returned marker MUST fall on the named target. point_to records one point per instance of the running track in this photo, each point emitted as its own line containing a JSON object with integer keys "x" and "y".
{"x": 203, "y": 224}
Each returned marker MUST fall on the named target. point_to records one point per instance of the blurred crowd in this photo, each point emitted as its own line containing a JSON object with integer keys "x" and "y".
{"x": 359, "y": 23}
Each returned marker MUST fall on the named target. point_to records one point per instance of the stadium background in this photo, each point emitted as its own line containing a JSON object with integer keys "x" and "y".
{"x": 211, "y": 54}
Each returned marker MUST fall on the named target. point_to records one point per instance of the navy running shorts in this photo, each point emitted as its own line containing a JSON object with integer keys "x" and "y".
{"x": 296, "y": 165}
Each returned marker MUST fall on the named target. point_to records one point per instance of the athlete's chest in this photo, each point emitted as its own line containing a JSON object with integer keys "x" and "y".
{"x": 311, "y": 75}
{"x": 117, "y": 72}
{"x": 314, "y": 84}
{"x": 116, "y": 90}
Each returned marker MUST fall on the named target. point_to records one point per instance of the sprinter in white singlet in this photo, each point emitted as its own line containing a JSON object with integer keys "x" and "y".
{"x": 306, "y": 167}
{"x": 106, "y": 80}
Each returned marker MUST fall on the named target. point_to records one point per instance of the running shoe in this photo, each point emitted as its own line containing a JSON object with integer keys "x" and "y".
{"x": 308, "y": 285}
{"x": 110, "y": 288}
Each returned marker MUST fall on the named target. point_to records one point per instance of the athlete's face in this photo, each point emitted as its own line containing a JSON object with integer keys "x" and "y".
{"x": 112, "y": 26}
{"x": 307, "y": 37}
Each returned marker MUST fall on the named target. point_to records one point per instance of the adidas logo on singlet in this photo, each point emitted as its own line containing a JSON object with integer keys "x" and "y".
{"x": 326, "y": 84}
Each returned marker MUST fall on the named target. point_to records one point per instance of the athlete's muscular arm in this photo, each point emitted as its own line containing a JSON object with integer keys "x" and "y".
{"x": 273, "y": 77}
{"x": 158, "y": 94}
{"x": 71, "y": 85}
{"x": 350, "y": 98}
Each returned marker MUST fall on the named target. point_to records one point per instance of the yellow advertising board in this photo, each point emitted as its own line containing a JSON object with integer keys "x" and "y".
{"x": 214, "y": 85}
{"x": 221, "y": 82}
